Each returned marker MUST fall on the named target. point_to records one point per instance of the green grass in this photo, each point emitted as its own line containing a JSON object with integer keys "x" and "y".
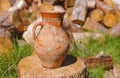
{"x": 8, "y": 65}
{"x": 96, "y": 73}
{"x": 111, "y": 46}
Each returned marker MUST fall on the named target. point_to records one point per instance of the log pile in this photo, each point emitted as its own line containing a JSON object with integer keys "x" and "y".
{"x": 92, "y": 15}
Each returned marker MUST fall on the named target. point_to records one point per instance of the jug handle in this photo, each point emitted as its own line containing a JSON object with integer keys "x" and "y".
{"x": 34, "y": 28}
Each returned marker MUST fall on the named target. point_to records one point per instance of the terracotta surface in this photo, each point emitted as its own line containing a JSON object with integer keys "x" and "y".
{"x": 51, "y": 43}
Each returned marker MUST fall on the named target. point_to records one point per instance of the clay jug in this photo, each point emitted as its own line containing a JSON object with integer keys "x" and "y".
{"x": 51, "y": 43}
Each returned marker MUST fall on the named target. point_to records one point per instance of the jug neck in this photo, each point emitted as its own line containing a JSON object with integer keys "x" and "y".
{"x": 54, "y": 18}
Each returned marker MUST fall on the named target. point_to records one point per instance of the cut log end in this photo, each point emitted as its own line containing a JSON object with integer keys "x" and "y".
{"x": 30, "y": 67}
{"x": 97, "y": 15}
{"x": 109, "y": 20}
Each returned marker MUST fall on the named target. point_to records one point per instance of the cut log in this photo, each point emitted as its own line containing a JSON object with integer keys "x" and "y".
{"x": 79, "y": 10}
{"x": 67, "y": 21}
{"x": 109, "y": 2}
{"x": 47, "y": 6}
{"x": 97, "y": 15}
{"x": 110, "y": 20}
{"x": 116, "y": 12}
{"x": 30, "y": 67}
{"x": 117, "y": 3}
{"x": 101, "y": 5}
{"x": 4, "y": 5}
{"x": 93, "y": 62}
{"x": 21, "y": 20}
{"x": 93, "y": 26}
{"x": 6, "y": 46}
{"x": 115, "y": 31}
{"x": 85, "y": 36}
{"x": 70, "y": 3}
{"x": 91, "y": 4}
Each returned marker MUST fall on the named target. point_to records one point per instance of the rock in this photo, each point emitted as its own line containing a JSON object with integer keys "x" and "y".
{"x": 27, "y": 35}
{"x": 93, "y": 26}
{"x": 30, "y": 67}
{"x": 116, "y": 70}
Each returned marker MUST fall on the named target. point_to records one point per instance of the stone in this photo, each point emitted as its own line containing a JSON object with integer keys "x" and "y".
{"x": 30, "y": 67}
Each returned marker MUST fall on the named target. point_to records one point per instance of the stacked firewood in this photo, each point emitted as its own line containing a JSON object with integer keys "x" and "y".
{"x": 94, "y": 16}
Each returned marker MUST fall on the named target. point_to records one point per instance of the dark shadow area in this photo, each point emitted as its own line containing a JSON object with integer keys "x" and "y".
{"x": 69, "y": 60}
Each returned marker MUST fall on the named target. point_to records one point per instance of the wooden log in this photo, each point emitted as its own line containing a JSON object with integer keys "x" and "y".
{"x": 30, "y": 67}
{"x": 115, "y": 31}
{"x": 85, "y": 36}
{"x": 67, "y": 20}
{"x": 4, "y": 5}
{"x": 97, "y": 15}
{"x": 47, "y": 6}
{"x": 20, "y": 20}
{"x": 93, "y": 62}
{"x": 116, "y": 12}
{"x": 109, "y": 20}
{"x": 79, "y": 10}
{"x": 6, "y": 46}
{"x": 93, "y": 26}
{"x": 109, "y": 2}
{"x": 116, "y": 3}
{"x": 101, "y": 5}
{"x": 91, "y": 4}
{"x": 70, "y": 3}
